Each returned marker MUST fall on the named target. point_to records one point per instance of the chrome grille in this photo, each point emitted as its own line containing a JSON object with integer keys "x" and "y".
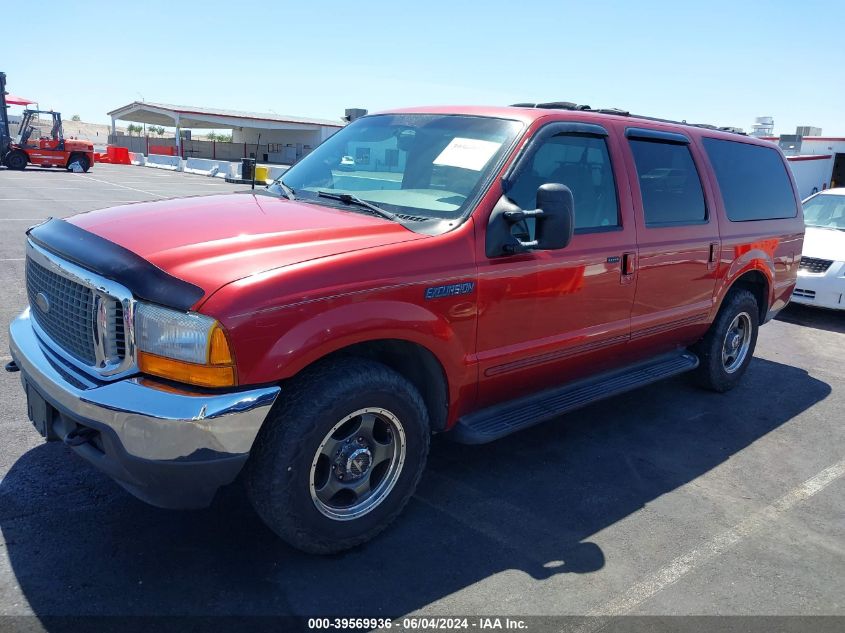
{"x": 814, "y": 265}
{"x": 115, "y": 340}
{"x": 85, "y": 318}
{"x": 69, "y": 319}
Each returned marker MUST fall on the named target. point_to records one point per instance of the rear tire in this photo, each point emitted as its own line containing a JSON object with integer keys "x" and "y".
{"x": 17, "y": 160}
{"x": 339, "y": 456}
{"x": 727, "y": 348}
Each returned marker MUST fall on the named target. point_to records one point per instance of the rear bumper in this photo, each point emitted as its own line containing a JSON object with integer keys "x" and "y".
{"x": 171, "y": 448}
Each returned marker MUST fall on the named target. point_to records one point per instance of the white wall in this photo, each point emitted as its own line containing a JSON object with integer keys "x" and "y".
{"x": 326, "y": 132}
{"x": 822, "y": 146}
{"x": 811, "y": 174}
{"x": 304, "y": 137}
{"x": 815, "y": 174}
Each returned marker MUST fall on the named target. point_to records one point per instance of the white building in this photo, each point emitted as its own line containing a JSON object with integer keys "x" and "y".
{"x": 283, "y": 138}
{"x": 818, "y": 163}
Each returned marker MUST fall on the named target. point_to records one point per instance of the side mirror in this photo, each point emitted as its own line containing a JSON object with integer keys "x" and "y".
{"x": 554, "y": 216}
{"x": 557, "y": 222}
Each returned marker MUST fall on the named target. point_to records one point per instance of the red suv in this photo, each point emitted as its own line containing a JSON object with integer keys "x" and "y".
{"x": 475, "y": 272}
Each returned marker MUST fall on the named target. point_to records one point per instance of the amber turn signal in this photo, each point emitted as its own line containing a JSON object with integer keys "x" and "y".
{"x": 191, "y": 373}
{"x": 218, "y": 348}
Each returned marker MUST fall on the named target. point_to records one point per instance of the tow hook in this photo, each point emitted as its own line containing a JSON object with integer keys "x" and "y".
{"x": 12, "y": 367}
{"x": 78, "y": 437}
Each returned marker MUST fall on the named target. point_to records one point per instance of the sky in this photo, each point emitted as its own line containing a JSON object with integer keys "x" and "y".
{"x": 722, "y": 63}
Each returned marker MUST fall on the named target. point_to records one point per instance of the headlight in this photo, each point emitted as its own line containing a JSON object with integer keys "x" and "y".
{"x": 186, "y": 347}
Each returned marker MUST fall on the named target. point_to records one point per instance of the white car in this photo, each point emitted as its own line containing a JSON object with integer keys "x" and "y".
{"x": 821, "y": 273}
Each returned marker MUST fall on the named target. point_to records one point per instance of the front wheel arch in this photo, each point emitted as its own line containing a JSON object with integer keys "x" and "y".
{"x": 414, "y": 362}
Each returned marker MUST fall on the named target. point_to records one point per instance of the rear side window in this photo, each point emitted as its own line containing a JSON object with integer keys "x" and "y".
{"x": 669, "y": 183}
{"x": 752, "y": 179}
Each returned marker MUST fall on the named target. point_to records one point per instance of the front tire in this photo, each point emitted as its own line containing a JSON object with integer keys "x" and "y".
{"x": 17, "y": 161}
{"x": 727, "y": 348}
{"x": 339, "y": 456}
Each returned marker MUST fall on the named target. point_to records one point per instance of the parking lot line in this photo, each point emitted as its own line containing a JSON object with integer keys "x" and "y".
{"x": 716, "y": 546}
{"x": 114, "y": 184}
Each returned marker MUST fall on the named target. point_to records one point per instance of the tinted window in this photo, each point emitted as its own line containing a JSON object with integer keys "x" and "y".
{"x": 581, "y": 163}
{"x": 752, "y": 179}
{"x": 669, "y": 183}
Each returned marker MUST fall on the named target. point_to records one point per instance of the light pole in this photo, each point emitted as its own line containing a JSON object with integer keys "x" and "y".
{"x": 142, "y": 123}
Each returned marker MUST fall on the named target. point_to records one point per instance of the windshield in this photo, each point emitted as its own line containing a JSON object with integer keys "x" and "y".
{"x": 420, "y": 166}
{"x": 825, "y": 211}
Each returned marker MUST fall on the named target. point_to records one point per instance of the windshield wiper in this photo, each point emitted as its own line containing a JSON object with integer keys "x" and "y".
{"x": 286, "y": 191}
{"x": 348, "y": 198}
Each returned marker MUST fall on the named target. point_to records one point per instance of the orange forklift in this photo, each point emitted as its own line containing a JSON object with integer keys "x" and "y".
{"x": 31, "y": 146}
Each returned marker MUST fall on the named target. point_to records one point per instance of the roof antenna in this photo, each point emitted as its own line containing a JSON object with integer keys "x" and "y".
{"x": 255, "y": 164}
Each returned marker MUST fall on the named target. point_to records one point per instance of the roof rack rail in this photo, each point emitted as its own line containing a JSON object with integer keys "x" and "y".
{"x": 616, "y": 111}
{"x": 569, "y": 105}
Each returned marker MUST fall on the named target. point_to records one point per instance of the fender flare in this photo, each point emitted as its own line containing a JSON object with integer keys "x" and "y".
{"x": 343, "y": 326}
{"x": 752, "y": 258}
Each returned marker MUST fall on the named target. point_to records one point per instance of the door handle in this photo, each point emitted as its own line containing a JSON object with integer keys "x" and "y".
{"x": 629, "y": 267}
{"x": 713, "y": 259}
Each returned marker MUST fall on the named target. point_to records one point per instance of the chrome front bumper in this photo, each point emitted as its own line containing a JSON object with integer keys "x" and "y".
{"x": 143, "y": 422}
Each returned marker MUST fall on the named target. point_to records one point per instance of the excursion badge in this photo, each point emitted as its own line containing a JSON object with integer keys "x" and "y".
{"x": 449, "y": 290}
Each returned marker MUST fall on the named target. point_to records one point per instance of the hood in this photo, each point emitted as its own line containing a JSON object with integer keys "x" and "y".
{"x": 210, "y": 241}
{"x": 824, "y": 244}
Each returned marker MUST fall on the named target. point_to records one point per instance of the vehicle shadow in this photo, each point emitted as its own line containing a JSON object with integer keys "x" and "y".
{"x": 819, "y": 318}
{"x": 79, "y": 545}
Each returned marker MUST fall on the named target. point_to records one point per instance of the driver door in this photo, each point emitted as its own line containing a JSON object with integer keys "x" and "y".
{"x": 548, "y": 317}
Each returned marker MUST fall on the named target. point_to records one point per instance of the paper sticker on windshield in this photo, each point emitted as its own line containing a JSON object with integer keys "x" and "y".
{"x": 467, "y": 153}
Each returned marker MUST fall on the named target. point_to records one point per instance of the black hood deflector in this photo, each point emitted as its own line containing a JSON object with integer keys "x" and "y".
{"x": 145, "y": 280}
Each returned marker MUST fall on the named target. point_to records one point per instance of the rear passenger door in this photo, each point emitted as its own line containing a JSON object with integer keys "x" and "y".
{"x": 677, "y": 236}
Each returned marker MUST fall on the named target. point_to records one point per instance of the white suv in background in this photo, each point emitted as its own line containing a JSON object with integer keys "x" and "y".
{"x": 821, "y": 274}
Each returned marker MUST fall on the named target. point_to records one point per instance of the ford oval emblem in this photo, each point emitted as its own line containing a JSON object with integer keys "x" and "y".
{"x": 42, "y": 302}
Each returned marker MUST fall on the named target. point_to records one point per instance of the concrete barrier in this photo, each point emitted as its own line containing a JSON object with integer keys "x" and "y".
{"x": 231, "y": 170}
{"x": 273, "y": 172}
{"x": 277, "y": 170}
{"x": 206, "y": 166}
{"x": 160, "y": 161}
{"x": 203, "y": 166}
